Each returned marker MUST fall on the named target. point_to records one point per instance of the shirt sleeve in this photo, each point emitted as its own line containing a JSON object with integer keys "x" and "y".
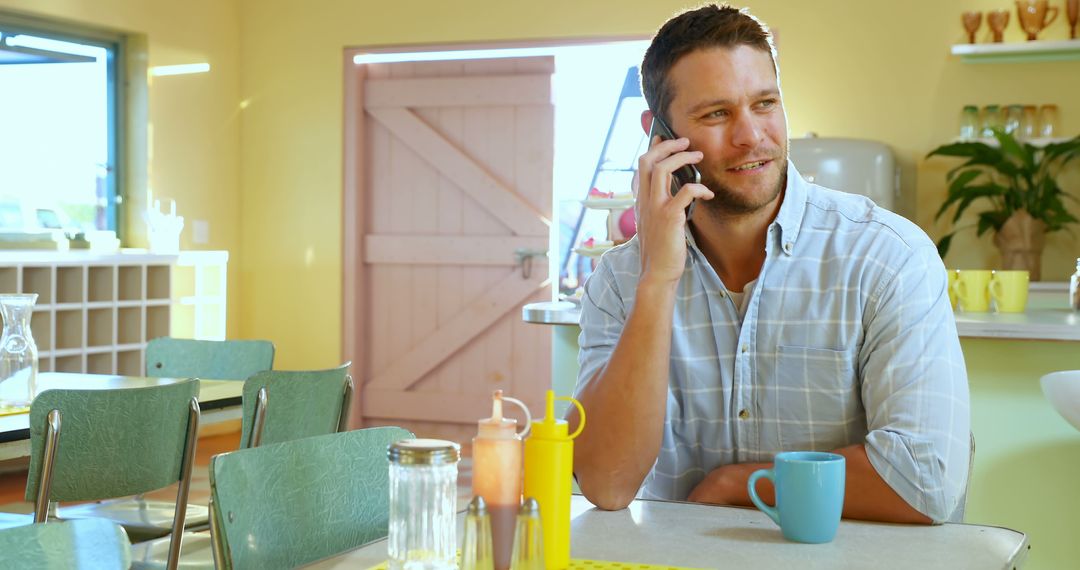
{"x": 914, "y": 388}
{"x": 603, "y": 315}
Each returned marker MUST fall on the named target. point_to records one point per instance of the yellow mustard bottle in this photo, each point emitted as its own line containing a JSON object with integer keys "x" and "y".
{"x": 549, "y": 472}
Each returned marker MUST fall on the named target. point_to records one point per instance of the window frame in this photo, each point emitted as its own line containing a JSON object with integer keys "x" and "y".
{"x": 117, "y": 48}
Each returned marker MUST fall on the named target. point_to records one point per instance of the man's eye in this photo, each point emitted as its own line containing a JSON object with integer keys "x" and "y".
{"x": 767, "y": 103}
{"x": 718, "y": 114}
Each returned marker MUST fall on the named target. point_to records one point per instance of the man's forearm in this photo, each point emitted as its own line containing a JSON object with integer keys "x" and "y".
{"x": 626, "y": 403}
{"x": 866, "y": 495}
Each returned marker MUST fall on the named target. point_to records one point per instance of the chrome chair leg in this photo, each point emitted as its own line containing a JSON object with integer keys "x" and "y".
{"x": 346, "y": 404}
{"x": 258, "y": 419}
{"x": 180, "y": 512}
{"x": 52, "y": 440}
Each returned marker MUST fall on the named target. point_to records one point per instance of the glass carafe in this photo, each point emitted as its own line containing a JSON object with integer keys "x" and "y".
{"x": 18, "y": 353}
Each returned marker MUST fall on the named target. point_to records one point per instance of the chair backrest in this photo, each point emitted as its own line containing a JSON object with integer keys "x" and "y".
{"x": 209, "y": 359}
{"x": 100, "y": 444}
{"x": 297, "y": 404}
{"x": 283, "y": 505}
{"x": 112, "y": 443}
{"x": 69, "y": 545}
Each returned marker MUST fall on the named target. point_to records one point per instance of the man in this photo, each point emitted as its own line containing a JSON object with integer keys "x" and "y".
{"x": 782, "y": 316}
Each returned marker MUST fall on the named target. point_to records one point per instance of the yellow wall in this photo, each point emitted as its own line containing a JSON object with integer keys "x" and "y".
{"x": 878, "y": 70}
{"x": 194, "y": 132}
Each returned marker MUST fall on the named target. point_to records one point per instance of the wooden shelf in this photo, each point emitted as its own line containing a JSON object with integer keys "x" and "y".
{"x": 1019, "y": 52}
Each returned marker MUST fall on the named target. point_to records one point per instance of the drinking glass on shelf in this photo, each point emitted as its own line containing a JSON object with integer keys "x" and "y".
{"x": 1072, "y": 10}
{"x": 1048, "y": 121}
{"x": 1029, "y": 122}
{"x": 969, "y": 122}
{"x": 1013, "y": 115}
{"x": 971, "y": 21}
{"x": 990, "y": 120}
{"x": 997, "y": 20}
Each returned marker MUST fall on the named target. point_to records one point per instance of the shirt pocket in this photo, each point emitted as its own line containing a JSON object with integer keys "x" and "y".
{"x": 817, "y": 399}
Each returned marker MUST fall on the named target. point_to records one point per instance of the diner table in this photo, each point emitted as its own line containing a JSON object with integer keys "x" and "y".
{"x": 692, "y": 535}
{"x": 219, "y": 400}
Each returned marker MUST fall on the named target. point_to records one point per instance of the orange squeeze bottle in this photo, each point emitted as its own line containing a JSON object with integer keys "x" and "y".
{"x": 497, "y": 473}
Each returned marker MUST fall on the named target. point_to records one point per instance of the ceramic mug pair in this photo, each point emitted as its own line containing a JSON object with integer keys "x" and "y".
{"x": 971, "y": 290}
{"x": 809, "y": 494}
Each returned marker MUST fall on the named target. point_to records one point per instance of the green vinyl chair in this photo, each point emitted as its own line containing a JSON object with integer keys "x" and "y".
{"x": 168, "y": 357}
{"x": 279, "y": 405}
{"x": 180, "y": 358}
{"x": 91, "y": 544}
{"x": 287, "y": 504}
{"x": 88, "y": 445}
{"x": 283, "y": 405}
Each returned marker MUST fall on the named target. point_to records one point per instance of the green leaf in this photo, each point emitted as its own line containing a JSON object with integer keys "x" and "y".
{"x": 973, "y": 193}
{"x": 963, "y": 149}
{"x": 1010, "y": 147}
{"x": 991, "y": 220}
{"x": 943, "y": 244}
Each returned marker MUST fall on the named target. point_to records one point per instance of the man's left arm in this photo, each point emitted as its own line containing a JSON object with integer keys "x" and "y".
{"x": 913, "y": 463}
{"x": 866, "y": 495}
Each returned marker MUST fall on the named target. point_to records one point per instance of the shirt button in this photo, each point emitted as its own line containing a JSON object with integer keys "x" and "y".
{"x": 743, "y": 414}
{"x": 787, "y": 247}
{"x": 723, "y": 294}
{"x": 745, "y": 347}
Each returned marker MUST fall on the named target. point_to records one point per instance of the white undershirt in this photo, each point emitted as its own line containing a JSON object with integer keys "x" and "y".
{"x": 742, "y": 298}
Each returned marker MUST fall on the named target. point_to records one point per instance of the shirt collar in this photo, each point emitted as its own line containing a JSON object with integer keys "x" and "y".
{"x": 790, "y": 216}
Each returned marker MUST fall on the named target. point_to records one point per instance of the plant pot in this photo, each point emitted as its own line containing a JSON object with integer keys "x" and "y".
{"x": 1021, "y": 242}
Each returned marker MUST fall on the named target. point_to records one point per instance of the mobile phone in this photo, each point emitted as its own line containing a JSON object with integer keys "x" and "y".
{"x": 684, "y": 174}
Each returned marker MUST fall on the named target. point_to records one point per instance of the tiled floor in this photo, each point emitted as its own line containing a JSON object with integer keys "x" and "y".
{"x": 12, "y": 485}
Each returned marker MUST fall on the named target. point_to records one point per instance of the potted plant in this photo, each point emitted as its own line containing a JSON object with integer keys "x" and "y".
{"x": 1018, "y": 181}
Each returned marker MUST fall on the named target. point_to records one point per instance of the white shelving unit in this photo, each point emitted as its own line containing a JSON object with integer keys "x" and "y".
{"x": 199, "y": 287}
{"x": 96, "y": 312}
{"x": 1018, "y": 52}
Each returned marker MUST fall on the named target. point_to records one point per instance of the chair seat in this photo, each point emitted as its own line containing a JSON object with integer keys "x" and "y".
{"x": 12, "y": 520}
{"x": 142, "y": 519}
{"x": 197, "y": 552}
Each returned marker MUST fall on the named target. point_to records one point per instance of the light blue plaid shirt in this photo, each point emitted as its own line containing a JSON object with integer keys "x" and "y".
{"x": 848, "y": 338}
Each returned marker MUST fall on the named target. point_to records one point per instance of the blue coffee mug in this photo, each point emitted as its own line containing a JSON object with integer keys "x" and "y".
{"x": 809, "y": 494}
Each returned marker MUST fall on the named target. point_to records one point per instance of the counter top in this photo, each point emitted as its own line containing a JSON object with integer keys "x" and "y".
{"x": 1047, "y": 317}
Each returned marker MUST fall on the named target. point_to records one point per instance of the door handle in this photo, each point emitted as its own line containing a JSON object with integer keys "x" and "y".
{"x": 524, "y": 257}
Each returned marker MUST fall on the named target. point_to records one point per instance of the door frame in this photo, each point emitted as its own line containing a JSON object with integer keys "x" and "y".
{"x": 354, "y": 278}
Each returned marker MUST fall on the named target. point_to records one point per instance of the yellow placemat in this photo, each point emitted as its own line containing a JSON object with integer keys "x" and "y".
{"x": 595, "y": 565}
{"x": 12, "y": 410}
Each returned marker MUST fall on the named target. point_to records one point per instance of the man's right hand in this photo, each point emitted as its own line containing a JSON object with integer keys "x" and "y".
{"x": 661, "y": 223}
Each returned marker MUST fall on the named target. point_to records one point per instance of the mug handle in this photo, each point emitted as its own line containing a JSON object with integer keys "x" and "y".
{"x": 959, "y": 289}
{"x": 995, "y": 289}
{"x": 769, "y": 474}
{"x": 1051, "y": 11}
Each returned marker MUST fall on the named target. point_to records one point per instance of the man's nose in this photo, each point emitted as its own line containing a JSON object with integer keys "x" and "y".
{"x": 746, "y": 130}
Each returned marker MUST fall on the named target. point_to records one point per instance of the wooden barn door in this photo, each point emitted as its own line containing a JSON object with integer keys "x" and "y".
{"x": 450, "y": 180}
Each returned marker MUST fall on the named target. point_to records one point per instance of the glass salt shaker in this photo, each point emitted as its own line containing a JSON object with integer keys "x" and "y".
{"x": 1074, "y": 288}
{"x": 423, "y": 493}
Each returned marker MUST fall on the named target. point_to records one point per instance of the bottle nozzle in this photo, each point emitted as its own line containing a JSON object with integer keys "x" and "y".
{"x": 549, "y": 407}
{"x": 496, "y": 406}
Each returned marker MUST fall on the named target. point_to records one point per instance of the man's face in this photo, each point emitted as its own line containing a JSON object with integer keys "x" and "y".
{"x": 727, "y": 102}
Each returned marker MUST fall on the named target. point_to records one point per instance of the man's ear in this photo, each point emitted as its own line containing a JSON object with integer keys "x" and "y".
{"x": 646, "y": 121}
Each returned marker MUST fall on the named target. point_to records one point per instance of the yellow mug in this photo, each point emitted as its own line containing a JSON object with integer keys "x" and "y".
{"x": 972, "y": 290}
{"x": 1009, "y": 290}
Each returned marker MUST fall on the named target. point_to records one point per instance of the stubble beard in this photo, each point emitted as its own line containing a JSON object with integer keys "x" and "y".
{"x": 726, "y": 202}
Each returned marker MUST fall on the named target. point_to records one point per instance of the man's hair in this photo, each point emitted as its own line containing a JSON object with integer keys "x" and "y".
{"x": 710, "y": 26}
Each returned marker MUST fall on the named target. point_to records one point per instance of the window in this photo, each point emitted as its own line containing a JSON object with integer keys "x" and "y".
{"x": 59, "y": 127}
